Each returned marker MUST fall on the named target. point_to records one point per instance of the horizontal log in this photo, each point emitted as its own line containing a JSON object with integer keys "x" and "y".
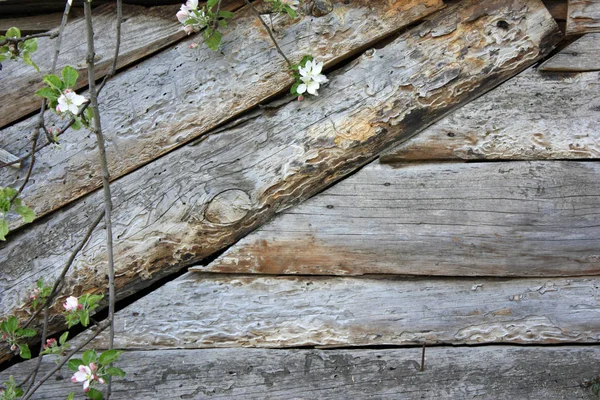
{"x": 493, "y": 219}
{"x": 37, "y": 23}
{"x": 580, "y": 56}
{"x": 161, "y": 104}
{"x": 11, "y": 8}
{"x": 583, "y": 17}
{"x": 491, "y": 372}
{"x": 199, "y": 310}
{"x": 202, "y": 197}
{"x": 533, "y": 116}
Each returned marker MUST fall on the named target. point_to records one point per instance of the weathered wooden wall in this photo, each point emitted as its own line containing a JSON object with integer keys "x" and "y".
{"x": 581, "y": 55}
{"x": 583, "y": 16}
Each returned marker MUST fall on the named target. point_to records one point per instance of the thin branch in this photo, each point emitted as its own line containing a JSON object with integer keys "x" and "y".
{"x": 269, "y": 32}
{"x": 99, "y": 328}
{"x": 14, "y": 40}
{"x": 40, "y": 356}
{"x": 105, "y": 176}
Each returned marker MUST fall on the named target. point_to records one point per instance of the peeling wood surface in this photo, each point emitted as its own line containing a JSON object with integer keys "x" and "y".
{"x": 581, "y": 55}
{"x": 583, "y": 17}
{"x": 491, "y": 372}
{"x": 491, "y": 219}
{"x": 202, "y": 310}
{"x": 144, "y": 31}
{"x": 182, "y": 93}
{"x": 282, "y": 156}
{"x": 533, "y": 116}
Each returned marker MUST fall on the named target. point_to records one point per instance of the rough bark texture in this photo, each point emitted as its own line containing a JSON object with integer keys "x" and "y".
{"x": 494, "y": 372}
{"x": 492, "y": 219}
{"x": 533, "y": 116}
{"x": 144, "y": 31}
{"x": 284, "y": 156}
{"x": 581, "y": 55}
{"x": 182, "y": 93}
{"x": 583, "y": 17}
{"x": 202, "y": 310}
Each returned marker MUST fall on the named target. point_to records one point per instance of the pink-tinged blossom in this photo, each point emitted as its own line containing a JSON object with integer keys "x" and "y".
{"x": 183, "y": 14}
{"x": 70, "y": 101}
{"x": 189, "y": 29}
{"x": 71, "y": 304}
{"x": 50, "y": 343}
{"x": 311, "y": 78}
{"x": 85, "y": 375}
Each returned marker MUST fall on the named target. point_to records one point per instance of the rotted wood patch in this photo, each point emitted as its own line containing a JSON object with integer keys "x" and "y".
{"x": 169, "y": 100}
{"x": 492, "y": 372}
{"x": 281, "y": 156}
{"x": 533, "y": 116}
{"x": 581, "y": 55}
{"x": 202, "y": 310}
{"x": 583, "y": 17}
{"x": 144, "y": 31}
{"x": 492, "y": 219}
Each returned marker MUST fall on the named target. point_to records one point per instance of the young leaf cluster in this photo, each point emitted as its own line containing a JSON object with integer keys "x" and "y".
{"x": 101, "y": 369}
{"x": 15, "y": 49}
{"x": 284, "y": 6}
{"x": 57, "y": 347}
{"x": 86, "y": 304}
{"x": 13, "y": 335}
{"x": 40, "y": 294}
{"x": 11, "y": 390}
{"x": 8, "y": 203}
{"x": 208, "y": 18}
{"x": 60, "y": 89}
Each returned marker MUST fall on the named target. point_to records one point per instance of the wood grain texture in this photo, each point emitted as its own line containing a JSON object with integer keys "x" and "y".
{"x": 144, "y": 31}
{"x": 557, "y": 8}
{"x": 583, "y": 17}
{"x": 533, "y": 116}
{"x": 491, "y": 372}
{"x": 580, "y": 56}
{"x": 202, "y": 310}
{"x": 36, "y": 23}
{"x": 183, "y": 93}
{"x": 492, "y": 219}
{"x": 281, "y": 156}
{"x": 12, "y": 8}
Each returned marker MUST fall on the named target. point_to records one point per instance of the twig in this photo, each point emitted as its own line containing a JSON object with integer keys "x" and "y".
{"x": 40, "y": 356}
{"x": 216, "y": 21}
{"x": 105, "y": 176}
{"x": 102, "y": 326}
{"x": 423, "y": 358}
{"x": 14, "y": 40}
{"x": 269, "y": 32}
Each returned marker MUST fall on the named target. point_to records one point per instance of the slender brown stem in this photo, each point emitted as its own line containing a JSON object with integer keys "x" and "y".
{"x": 7, "y": 40}
{"x": 102, "y": 326}
{"x": 40, "y": 356}
{"x": 423, "y": 358}
{"x": 269, "y": 32}
{"x": 105, "y": 175}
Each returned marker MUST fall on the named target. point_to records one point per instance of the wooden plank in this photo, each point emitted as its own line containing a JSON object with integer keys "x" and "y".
{"x": 37, "y": 23}
{"x": 202, "y": 310}
{"x": 583, "y": 17}
{"x": 33, "y": 7}
{"x": 493, "y": 219}
{"x": 490, "y": 372}
{"x": 162, "y": 103}
{"x": 557, "y": 8}
{"x": 144, "y": 31}
{"x": 7, "y": 158}
{"x": 204, "y": 196}
{"x": 533, "y": 116}
{"x": 580, "y": 56}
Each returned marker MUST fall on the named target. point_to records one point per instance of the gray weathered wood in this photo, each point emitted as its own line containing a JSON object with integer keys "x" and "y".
{"x": 533, "y": 116}
{"x": 7, "y": 158}
{"x": 144, "y": 31}
{"x": 492, "y": 219}
{"x": 581, "y": 55}
{"x": 36, "y": 23}
{"x": 202, "y": 310}
{"x": 281, "y": 157}
{"x": 490, "y": 372}
{"x": 182, "y": 93}
{"x": 583, "y": 17}
{"x": 11, "y": 8}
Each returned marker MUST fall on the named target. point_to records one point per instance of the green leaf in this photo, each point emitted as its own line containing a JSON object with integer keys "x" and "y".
{"x": 4, "y": 327}
{"x": 27, "y": 60}
{"x": 94, "y": 394}
{"x": 27, "y": 332}
{"x": 2, "y": 57}
{"x": 13, "y": 32}
{"x": 26, "y": 213}
{"x": 211, "y": 3}
{"x": 24, "y": 351}
{"x": 74, "y": 364}
{"x": 54, "y": 81}
{"x": 84, "y": 318}
{"x": 294, "y": 89}
{"x": 49, "y": 93}
{"x": 69, "y": 75}
{"x": 212, "y": 40}
{"x": 12, "y": 324}
{"x": 112, "y": 371}
{"x": 3, "y": 229}
{"x": 30, "y": 45}
{"x": 89, "y": 356}
{"x": 63, "y": 338}
{"x": 71, "y": 396}
{"x": 39, "y": 283}
{"x": 226, "y": 14}
{"x": 291, "y": 12}
{"x": 76, "y": 124}
{"x": 109, "y": 356}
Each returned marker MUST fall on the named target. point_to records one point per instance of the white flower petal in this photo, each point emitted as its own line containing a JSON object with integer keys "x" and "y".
{"x": 301, "y": 88}
{"x": 312, "y": 88}
{"x": 193, "y": 4}
{"x": 317, "y": 68}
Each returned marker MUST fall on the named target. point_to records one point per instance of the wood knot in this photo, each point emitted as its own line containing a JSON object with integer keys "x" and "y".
{"x": 320, "y": 8}
{"x": 228, "y": 207}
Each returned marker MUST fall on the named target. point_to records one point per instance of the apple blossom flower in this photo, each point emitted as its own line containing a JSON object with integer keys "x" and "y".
{"x": 72, "y": 304}
{"x": 183, "y": 14}
{"x": 35, "y": 294}
{"x": 50, "y": 343}
{"x": 70, "y": 101}
{"x": 311, "y": 78}
{"x": 86, "y": 375}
